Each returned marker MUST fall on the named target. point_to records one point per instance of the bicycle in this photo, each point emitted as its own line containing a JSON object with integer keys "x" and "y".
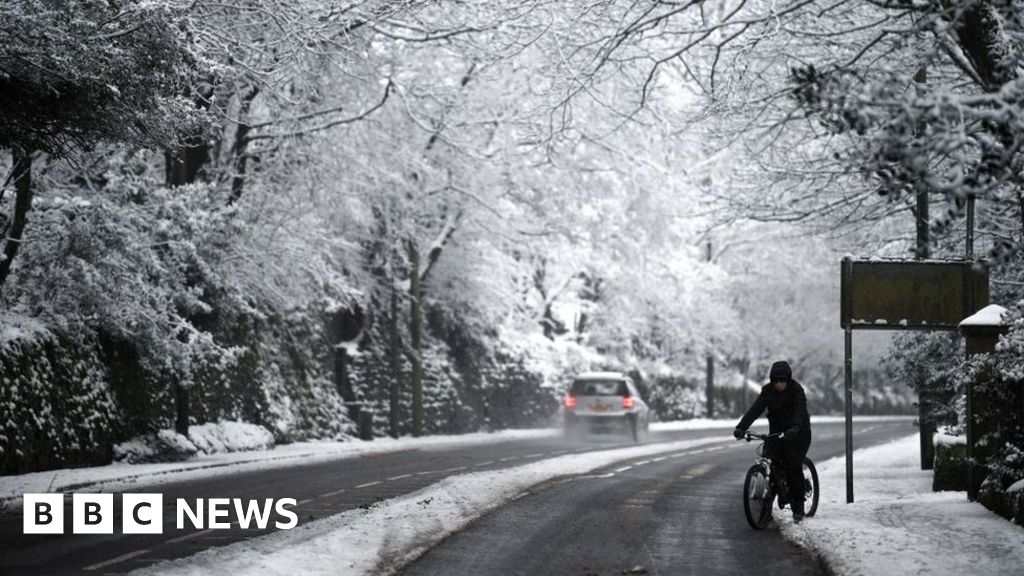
{"x": 765, "y": 480}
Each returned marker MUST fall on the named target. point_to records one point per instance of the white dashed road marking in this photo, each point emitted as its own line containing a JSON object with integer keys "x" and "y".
{"x": 187, "y": 537}
{"x": 116, "y": 560}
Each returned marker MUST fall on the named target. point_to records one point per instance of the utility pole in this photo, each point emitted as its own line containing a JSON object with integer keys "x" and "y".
{"x": 923, "y": 252}
{"x": 394, "y": 391}
{"x": 710, "y": 385}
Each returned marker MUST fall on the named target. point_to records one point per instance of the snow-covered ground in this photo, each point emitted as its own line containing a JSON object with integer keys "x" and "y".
{"x": 369, "y": 541}
{"x": 897, "y": 525}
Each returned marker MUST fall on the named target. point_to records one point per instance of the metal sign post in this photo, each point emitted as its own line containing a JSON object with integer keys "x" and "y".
{"x": 903, "y": 295}
{"x": 848, "y": 377}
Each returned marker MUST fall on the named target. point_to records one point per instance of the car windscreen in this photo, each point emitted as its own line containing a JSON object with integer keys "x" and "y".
{"x": 599, "y": 388}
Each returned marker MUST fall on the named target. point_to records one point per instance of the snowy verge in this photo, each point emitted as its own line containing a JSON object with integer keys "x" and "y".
{"x": 387, "y": 535}
{"x": 119, "y": 476}
{"x": 897, "y": 525}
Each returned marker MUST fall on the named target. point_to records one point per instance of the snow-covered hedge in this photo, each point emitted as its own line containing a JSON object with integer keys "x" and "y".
{"x": 56, "y": 407}
{"x": 950, "y": 466}
{"x": 999, "y": 378}
{"x": 212, "y": 438}
{"x": 66, "y": 402}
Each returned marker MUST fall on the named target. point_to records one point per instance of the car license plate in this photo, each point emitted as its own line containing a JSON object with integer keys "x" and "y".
{"x": 600, "y": 407}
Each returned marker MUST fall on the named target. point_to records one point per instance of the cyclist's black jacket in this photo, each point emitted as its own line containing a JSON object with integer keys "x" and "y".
{"x": 786, "y": 409}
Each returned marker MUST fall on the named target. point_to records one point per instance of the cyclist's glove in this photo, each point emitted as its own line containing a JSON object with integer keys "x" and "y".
{"x": 791, "y": 433}
{"x": 738, "y": 433}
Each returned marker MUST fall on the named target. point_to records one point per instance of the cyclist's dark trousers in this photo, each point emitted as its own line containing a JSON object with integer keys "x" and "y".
{"x": 793, "y": 453}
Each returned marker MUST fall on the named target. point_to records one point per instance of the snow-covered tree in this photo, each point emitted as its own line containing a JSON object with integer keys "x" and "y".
{"x": 76, "y": 74}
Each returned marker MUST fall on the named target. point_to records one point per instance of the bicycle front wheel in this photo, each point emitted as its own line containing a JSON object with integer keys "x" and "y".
{"x": 757, "y": 498}
{"x": 811, "y": 488}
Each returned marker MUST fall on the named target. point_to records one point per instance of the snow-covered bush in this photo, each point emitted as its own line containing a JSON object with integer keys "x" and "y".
{"x": 210, "y": 438}
{"x": 674, "y": 397}
{"x": 162, "y": 446}
{"x": 1005, "y": 470}
{"x": 226, "y": 436}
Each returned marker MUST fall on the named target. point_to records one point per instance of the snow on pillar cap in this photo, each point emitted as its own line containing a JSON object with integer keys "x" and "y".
{"x": 991, "y": 315}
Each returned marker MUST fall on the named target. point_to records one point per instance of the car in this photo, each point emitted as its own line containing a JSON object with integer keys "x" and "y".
{"x": 604, "y": 402}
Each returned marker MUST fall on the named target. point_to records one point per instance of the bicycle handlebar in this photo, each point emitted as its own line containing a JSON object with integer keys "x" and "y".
{"x": 755, "y": 436}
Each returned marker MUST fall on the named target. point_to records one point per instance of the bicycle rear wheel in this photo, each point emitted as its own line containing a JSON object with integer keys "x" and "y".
{"x": 811, "y": 488}
{"x": 757, "y": 498}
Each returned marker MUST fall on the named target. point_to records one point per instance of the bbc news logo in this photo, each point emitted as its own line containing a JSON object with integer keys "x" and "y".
{"x": 144, "y": 513}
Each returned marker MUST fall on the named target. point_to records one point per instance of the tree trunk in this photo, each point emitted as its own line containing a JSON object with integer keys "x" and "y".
{"x": 985, "y": 43}
{"x": 355, "y": 411}
{"x": 183, "y": 167}
{"x": 416, "y": 336}
{"x": 181, "y": 409}
{"x": 1020, "y": 212}
{"x": 710, "y": 385}
{"x": 922, "y": 250}
{"x": 22, "y": 177}
{"x": 241, "y": 145}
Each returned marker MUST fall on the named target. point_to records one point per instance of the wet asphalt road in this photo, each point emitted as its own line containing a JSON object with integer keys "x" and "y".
{"x": 675, "y": 516}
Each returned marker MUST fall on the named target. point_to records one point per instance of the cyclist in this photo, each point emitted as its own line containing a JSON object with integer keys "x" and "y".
{"x": 786, "y": 403}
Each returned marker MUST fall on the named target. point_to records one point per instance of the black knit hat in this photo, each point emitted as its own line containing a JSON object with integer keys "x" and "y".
{"x": 780, "y": 371}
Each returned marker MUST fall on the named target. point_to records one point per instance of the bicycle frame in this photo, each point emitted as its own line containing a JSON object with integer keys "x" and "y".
{"x": 776, "y": 482}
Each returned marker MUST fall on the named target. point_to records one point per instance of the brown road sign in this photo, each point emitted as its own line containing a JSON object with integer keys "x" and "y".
{"x": 910, "y": 294}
